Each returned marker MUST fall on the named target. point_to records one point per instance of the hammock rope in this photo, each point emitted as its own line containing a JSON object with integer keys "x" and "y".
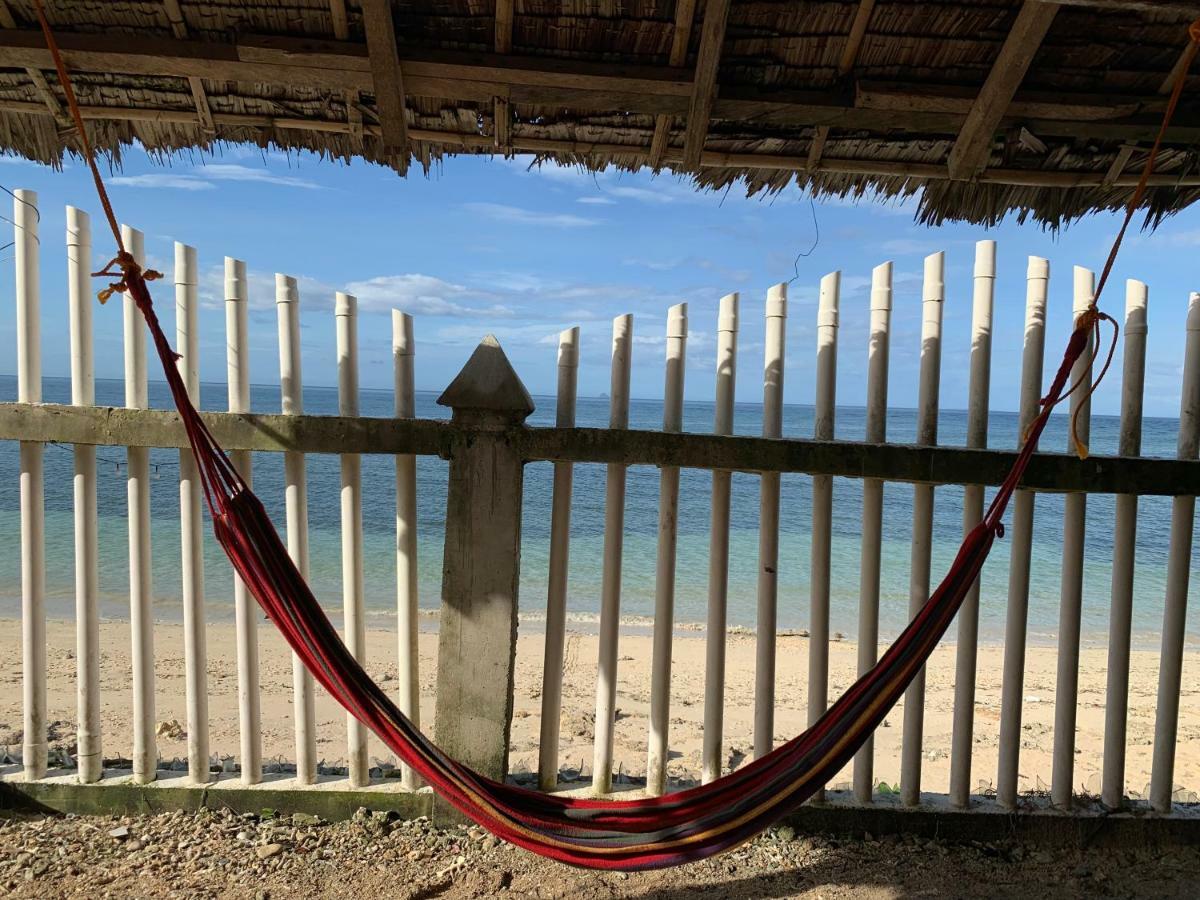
{"x": 604, "y": 834}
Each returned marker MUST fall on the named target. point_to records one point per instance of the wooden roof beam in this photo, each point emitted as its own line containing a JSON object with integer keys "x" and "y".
{"x": 681, "y": 36}
{"x": 816, "y": 147}
{"x": 195, "y": 84}
{"x": 341, "y": 30}
{"x": 389, "y": 83}
{"x": 704, "y": 82}
{"x": 971, "y": 150}
{"x": 858, "y": 30}
{"x": 40, "y": 85}
{"x": 504, "y": 26}
{"x": 1181, "y": 65}
{"x": 1119, "y": 163}
{"x": 338, "y": 66}
{"x": 501, "y": 113}
{"x": 341, "y": 21}
{"x": 710, "y": 159}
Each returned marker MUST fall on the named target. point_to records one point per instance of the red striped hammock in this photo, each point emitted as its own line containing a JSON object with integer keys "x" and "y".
{"x": 621, "y": 834}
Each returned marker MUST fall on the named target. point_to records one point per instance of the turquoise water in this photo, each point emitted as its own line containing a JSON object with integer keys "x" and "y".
{"x": 637, "y": 601}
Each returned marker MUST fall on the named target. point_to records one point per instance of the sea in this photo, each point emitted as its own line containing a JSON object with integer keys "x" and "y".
{"x": 587, "y": 526}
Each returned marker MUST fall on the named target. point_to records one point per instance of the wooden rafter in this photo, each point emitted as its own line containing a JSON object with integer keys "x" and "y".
{"x": 501, "y": 114}
{"x": 971, "y": 150}
{"x": 704, "y": 84}
{"x": 341, "y": 30}
{"x": 710, "y": 159}
{"x": 504, "y": 26}
{"x": 477, "y": 77}
{"x": 1180, "y": 64}
{"x": 341, "y": 21}
{"x": 195, "y": 84}
{"x": 681, "y": 36}
{"x": 858, "y": 30}
{"x": 816, "y": 147}
{"x": 387, "y": 79}
{"x": 1117, "y": 169}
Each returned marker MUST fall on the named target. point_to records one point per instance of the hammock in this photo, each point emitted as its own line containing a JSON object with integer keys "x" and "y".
{"x": 623, "y": 834}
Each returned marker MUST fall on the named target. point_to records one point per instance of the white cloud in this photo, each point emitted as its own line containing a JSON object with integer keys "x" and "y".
{"x": 201, "y": 178}
{"x": 424, "y": 295}
{"x": 163, "y": 180}
{"x": 234, "y": 172}
{"x": 597, "y": 201}
{"x": 11, "y": 159}
{"x": 515, "y": 215}
{"x": 1189, "y": 238}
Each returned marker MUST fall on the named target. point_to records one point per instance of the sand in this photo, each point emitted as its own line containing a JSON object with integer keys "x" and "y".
{"x": 632, "y": 702}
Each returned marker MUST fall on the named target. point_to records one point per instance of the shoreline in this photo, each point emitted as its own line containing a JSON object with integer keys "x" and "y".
{"x": 222, "y": 614}
{"x": 631, "y": 728}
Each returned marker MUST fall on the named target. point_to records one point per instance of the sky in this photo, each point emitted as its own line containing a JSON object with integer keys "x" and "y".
{"x": 509, "y": 248}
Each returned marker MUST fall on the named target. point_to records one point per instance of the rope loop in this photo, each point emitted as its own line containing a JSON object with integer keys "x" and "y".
{"x": 129, "y": 270}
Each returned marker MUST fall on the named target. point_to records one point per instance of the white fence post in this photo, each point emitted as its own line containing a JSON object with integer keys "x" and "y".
{"x": 1116, "y": 710}
{"x": 1016, "y": 623}
{"x": 824, "y": 409}
{"x": 664, "y": 571}
{"x": 141, "y": 610}
{"x": 187, "y": 343}
{"x": 768, "y": 526}
{"x": 1066, "y": 694}
{"x": 83, "y": 393}
{"x": 1179, "y": 561}
{"x": 354, "y": 626}
{"x": 407, "y": 607}
{"x": 932, "y": 303}
{"x": 979, "y": 390}
{"x": 610, "y": 582}
{"x": 872, "y": 530}
{"x": 295, "y": 482}
{"x": 718, "y": 548}
{"x": 33, "y": 511}
{"x": 88, "y": 739}
{"x": 560, "y": 551}
{"x": 237, "y": 358}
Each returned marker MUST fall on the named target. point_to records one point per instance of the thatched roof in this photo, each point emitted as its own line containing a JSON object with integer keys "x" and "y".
{"x": 981, "y": 107}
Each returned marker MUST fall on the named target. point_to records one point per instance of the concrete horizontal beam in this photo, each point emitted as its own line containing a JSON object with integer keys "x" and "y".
{"x": 118, "y": 795}
{"x": 984, "y": 822}
{"x": 1049, "y": 472}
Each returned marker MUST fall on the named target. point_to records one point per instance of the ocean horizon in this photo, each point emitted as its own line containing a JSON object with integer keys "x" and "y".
{"x": 641, "y": 526}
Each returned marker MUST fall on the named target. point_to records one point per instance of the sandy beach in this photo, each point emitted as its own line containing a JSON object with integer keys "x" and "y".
{"x": 633, "y": 703}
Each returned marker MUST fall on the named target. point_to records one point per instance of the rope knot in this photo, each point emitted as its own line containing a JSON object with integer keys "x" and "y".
{"x": 128, "y": 269}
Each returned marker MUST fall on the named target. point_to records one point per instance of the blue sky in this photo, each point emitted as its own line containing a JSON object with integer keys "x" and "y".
{"x": 485, "y": 245}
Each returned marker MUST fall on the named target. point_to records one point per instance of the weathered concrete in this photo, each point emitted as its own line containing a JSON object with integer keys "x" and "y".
{"x": 477, "y": 637}
{"x": 118, "y": 795}
{"x": 333, "y": 801}
{"x": 1050, "y": 472}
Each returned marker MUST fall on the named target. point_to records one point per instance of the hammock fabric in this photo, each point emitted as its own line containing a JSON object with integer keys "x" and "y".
{"x": 623, "y": 834}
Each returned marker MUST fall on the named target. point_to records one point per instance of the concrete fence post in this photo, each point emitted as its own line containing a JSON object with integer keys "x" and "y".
{"x": 478, "y": 630}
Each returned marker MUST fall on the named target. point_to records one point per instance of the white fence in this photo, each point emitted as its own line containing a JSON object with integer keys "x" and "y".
{"x": 875, "y": 462}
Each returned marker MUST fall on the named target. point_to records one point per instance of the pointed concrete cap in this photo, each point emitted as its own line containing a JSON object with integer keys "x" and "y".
{"x": 488, "y": 385}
